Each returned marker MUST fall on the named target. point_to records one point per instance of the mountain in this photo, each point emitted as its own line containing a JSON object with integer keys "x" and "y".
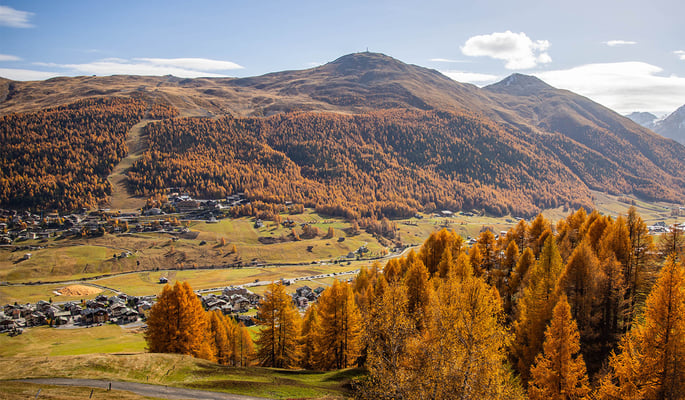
{"x": 366, "y": 135}
{"x": 645, "y": 119}
{"x": 673, "y": 126}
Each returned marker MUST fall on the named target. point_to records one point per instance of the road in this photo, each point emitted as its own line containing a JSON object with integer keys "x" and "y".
{"x": 143, "y": 389}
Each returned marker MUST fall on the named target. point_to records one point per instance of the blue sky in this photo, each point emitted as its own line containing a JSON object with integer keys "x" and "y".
{"x": 628, "y": 55}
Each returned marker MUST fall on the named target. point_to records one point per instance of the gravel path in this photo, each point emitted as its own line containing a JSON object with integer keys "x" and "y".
{"x": 162, "y": 392}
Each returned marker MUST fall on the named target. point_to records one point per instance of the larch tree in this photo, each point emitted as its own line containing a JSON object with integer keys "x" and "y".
{"x": 279, "y": 323}
{"x": 416, "y": 282}
{"x": 338, "y": 337}
{"x": 462, "y": 353}
{"x": 178, "y": 324}
{"x": 387, "y": 333}
{"x": 220, "y": 335}
{"x": 650, "y": 363}
{"x": 431, "y": 252}
{"x": 579, "y": 281}
{"x": 309, "y": 339}
{"x": 559, "y": 372}
{"x": 535, "y": 307}
{"x": 519, "y": 278}
{"x": 446, "y": 263}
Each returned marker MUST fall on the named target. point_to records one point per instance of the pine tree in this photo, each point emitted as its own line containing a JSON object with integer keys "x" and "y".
{"x": 559, "y": 372}
{"x": 279, "y": 323}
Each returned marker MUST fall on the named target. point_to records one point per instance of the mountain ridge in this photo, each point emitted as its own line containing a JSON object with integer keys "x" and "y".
{"x": 604, "y": 150}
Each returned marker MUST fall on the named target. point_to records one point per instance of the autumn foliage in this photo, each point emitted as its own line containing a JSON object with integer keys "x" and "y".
{"x": 179, "y": 324}
{"x": 546, "y": 311}
{"x": 384, "y": 163}
{"x": 59, "y": 158}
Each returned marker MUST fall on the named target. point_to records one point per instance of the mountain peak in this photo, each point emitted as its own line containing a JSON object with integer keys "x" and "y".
{"x": 519, "y": 85}
{"x": 366, "y": 61}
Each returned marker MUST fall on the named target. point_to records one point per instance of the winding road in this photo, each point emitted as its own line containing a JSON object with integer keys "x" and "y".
{"x": 143, "y": 389}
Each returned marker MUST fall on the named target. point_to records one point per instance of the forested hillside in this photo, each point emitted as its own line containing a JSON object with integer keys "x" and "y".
{"x": 362, "y": 136}
{"x": 385, "y": 163}
{"x": 59, "y": 158}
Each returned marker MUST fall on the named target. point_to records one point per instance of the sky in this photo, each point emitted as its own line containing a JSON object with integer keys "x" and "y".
{"x": 628, "y": 55}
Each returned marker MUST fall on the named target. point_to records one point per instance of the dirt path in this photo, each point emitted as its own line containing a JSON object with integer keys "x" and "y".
{"x": 157, "y": 391}
{"x": 121, "y": 199}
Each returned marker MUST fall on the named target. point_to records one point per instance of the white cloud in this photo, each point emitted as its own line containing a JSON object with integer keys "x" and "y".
{"x": 7, "y": 57}
{"x": 471, "y": 77}
{"x": 517, "y": 49}
{"x": 180, "y": 67}
{"x": 680, "y": 54}
{"x": 26, "y": 74}
{"x": 624, "y": 87}
{"x": 614, "y": 43}
{"x": 14, "y": 18}
{"x": 195, "y": 64}
{"x": 446, "y": 60}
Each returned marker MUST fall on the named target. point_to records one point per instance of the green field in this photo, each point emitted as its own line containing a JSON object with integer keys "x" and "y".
{"x": 183, "y": 371}
{"x": 73, "y": 259}
{"x": 46, "y": 341}
{"x": 33, "y": 293}
{"x": 146, "y": 283}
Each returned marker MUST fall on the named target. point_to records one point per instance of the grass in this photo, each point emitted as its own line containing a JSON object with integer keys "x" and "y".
{"x": 184, "y": 371}
{"x": 146, "y": 283}
{"x": 33, "y": 293}
{"x": 21, "y": 391}
{"x": 45, "y": 341}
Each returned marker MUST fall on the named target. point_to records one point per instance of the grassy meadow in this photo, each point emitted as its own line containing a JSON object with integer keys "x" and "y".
{"x": 46, "y": 341}
{"x": 181, "y": 371}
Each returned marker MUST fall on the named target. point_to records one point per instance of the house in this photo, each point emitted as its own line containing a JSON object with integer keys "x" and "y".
{"x": 240, "y": 303}
{"x": 94, "y": 316}
{"x": 187, "y": 205}
{"x": 231, "y": 290}
{"x": 301, "y": 302}
{"x": 35, "y": 319}
{"x": 118, "y": 310}
{"x": 7, "y": 325}
{"x": 144, "y": 305}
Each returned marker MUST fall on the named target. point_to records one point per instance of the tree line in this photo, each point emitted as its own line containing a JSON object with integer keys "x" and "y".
{"x": 589, "y": 307}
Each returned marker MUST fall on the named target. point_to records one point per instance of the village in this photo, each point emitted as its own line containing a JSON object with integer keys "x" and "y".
{"x": 132, "y": 311}
{"x": 17, "y": 226}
